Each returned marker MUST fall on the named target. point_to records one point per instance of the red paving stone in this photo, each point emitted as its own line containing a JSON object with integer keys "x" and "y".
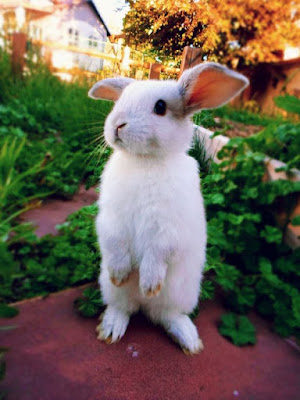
{"x": 54, "y": 212}
{"x": 54, "y": 355}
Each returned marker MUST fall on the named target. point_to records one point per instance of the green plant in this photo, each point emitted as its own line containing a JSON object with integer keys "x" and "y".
{"x": 5, "y": 312}
{"x": 246, "y": 255}
{"x": 199, "y": 152}
{"x": 8, "y": 311}
{"x": 37, "y": 266}
{"x": 5, "y": 73}
{"x": 288, "y": 103}
{"x": 281, "y": 142}
{"x": 238, "y": 328}
{"x": 220, "y": 117}
{"x": 90, "y": 304}
{"x": 60, "y": 129}
{"x": 12, "y": 180}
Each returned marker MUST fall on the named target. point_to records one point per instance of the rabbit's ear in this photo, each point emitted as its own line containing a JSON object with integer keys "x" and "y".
{"x": 210, "y": 85}
{"x": 109, "y": 89}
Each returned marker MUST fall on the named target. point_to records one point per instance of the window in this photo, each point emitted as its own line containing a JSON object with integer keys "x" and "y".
{"x": 93, "y": 41}
{"x": 73, "y": 37}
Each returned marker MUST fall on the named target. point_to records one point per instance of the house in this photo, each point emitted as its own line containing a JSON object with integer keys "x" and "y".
{"x": 276, "y": 79}
{"x": 269, "y": 80}
{"x": 76, "y": 23}
{"x": 15, "y": 14}
{"x": 66, "y": 23}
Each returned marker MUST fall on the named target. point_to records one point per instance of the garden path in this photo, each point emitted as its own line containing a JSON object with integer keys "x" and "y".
{"x": 53, "y": 212}
{"x": 54, "y": 354}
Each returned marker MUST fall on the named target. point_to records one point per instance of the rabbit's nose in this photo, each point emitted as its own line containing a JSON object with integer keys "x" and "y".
{"x": 119, "y": 128}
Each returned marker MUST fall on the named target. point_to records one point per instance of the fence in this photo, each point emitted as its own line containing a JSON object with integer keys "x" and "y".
{"x": 65, "y": 57}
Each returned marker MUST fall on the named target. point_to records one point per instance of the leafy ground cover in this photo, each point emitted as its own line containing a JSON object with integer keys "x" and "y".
{"x": 45, "y": 147}
{"x": 277, "y": 137}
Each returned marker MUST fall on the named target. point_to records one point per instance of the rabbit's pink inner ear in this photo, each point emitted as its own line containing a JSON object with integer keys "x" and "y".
{"x": 204, "y": 91}
{"x": 100, "y": 91}
{"x": 213, "y": 86}
{"x": 109, "y": 89}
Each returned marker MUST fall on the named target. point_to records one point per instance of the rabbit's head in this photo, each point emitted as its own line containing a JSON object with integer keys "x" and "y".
{"x": 152, "y": 118}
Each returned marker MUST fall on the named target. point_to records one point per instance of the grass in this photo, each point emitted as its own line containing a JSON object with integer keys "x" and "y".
{"x": 57, "y": 129}
{"x": 223, "y": 115}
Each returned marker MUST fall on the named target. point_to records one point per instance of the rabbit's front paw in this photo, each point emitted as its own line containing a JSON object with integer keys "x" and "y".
{"x": 119, "y": 281}
{"x": 119, "y": 275}
{"x": 151, "y": 286}
{"x": 151, "y": 291}
{"x": 113, "y": 325}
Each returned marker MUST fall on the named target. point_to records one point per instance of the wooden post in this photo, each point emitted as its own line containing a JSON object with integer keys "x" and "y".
{"x": 246, "y": 94}
{"x": 18, "y": 52}
{"x": 48, "y": 58}
{"x": 191, "y": 56}
{"x": 155, "y": 70}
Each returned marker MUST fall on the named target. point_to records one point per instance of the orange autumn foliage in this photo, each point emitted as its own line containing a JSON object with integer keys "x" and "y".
{"x": 237, "y": 32}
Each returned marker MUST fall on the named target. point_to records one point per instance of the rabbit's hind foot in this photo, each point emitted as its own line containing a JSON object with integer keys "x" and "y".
{"x": 113, "y": 325}
{"x": 184, "y": 332}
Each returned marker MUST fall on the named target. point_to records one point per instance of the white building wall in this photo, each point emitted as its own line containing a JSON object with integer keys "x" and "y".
{"x": 77, "y": 26}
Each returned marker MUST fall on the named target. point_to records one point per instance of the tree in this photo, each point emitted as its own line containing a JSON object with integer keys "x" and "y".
{"x": 237, "y": 32}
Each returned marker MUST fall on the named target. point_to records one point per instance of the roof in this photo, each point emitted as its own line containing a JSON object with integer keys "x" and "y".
{"x": 290, "y": 61}
{"x": 96, "y": 9}
{"x": 45, "y": 6}
{"x": 93, "y": 5}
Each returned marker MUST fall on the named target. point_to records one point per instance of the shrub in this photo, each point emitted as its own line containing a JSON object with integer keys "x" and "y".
{"x": 37, "y": 266}
{"x": 61, "y": 128}
{"x": 246, "y": 254}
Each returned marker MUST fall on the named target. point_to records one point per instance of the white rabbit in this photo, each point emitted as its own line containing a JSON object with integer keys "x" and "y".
{"x": 151, "y": 224}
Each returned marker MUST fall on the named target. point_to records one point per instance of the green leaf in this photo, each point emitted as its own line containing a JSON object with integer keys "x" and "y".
{"x": 235, "y": 219}
{"x": 288, "y": 103}
{"x": 265, "y": 266}
{"x": 230, "y": 186}
{"x": 227, "y": 276}
{"x": 238, "y": 329}
{"x": 90, "y": 304}
{"x": 8, "y": 311}
{"x": 271, "y": 234}
{"x": 296, "y": 221}
{"x": 267, "y": 272}
{"x": 217, "y": 198}
{"x": 207, "y": 290}
{"x": 241, "y": 299}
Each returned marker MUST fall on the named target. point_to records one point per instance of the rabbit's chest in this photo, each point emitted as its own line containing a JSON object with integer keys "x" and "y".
{"x": 134, "y": 200}
{"x": 143, "y": 201}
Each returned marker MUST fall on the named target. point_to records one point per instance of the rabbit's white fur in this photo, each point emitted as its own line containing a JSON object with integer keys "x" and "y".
{"x": 151, "y": 225}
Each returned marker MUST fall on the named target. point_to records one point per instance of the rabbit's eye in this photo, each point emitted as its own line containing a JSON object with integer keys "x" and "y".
{"x": 160, "y": 107}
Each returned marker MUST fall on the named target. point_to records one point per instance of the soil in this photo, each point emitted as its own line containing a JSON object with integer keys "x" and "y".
{"x": 238, "y": 129}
